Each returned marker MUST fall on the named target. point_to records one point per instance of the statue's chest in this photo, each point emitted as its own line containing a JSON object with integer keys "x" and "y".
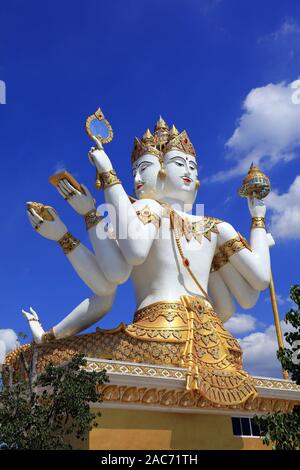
{"x": 197, "y": 238}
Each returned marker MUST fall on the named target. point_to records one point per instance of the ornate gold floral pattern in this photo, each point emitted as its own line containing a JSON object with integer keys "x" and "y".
{"x": 188, "y": 399}
{"x": 188, "y": 334}
{"x": 180, "y": 142}
{"x": 203, "y": 227}
{"x": 234, "y": 245}
{"x": 219, "y": 260}
{"x": 147, "y": 216}
{"x": 109, "y": 178}
{"x": 92, "y": 218}
{"x": 258, "y": 222}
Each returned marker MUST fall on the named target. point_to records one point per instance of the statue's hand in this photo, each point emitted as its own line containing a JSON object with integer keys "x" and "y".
{"x": 98, "y": 157}
{"x": 53, "y": 229}
{"x": 30, "y": 316}
{"x": 257, "y": 207}
{"x": 81, "y": 203}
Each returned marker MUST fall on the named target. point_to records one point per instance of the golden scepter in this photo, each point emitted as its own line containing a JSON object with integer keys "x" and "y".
{"x": 98, "y": 126}
{"x": 257, "y": 184}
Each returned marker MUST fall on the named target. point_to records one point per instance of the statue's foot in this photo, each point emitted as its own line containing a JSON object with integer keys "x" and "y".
{"x": 35, "y": 326}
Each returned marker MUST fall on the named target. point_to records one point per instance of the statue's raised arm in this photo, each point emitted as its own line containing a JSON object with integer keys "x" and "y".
{"x": 251, "y": 261}
{"x": 107, "y": 252}
{"x": 134, "y": 235}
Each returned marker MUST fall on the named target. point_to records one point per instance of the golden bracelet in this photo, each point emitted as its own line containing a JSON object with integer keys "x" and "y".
{"x": 109, "y": 178}
{"x": 49, "y": 336}
{"x": 92, "y": 218}
{"x": 258, "y": 222}
{"x": 68, "y": 243}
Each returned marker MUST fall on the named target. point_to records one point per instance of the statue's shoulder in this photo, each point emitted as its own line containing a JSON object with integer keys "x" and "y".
{"x": 207, "y": 225}
{"x": 221, "y": 227}
{"x": 224, "y": 229}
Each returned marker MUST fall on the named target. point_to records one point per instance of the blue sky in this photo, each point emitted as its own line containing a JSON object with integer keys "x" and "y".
{"x": 198, "y": 63}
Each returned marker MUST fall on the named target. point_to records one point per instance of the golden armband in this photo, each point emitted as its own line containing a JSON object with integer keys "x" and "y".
{"x": 68, "y": 243}
{"x": 92, "y": 218}
{"x": 234, "y": 245}
{"x": 258, "y": 222}
{"x": 109, "y": 178}
{"x": 219, "y": 260}
{"x": 147, "y": 216}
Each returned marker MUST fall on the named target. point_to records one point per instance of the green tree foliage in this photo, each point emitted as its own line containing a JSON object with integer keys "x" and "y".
{"x": 52, "y": 410}
{"x": 282, "y": 430}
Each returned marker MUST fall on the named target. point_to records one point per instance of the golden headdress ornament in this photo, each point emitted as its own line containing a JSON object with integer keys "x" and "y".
{"x": 161, "y": 141}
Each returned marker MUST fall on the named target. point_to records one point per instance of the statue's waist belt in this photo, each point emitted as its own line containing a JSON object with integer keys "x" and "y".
{"x": 178, "y": 321}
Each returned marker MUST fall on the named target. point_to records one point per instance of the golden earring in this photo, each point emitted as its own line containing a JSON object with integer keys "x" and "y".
{"x": 197, "y": 184}
{"x": 162, "y": 173}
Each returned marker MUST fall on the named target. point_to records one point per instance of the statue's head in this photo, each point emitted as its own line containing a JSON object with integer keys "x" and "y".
{"x": 145, "y": 171}
{"x": 164, "y": 165}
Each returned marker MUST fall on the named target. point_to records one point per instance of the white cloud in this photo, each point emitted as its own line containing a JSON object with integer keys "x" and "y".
{"x": 240, "y": 323}
{"x": 285, "y": 216}
{"x": 8, "y": 342}
{"x": 259, "y": 352}
{"x": 267, "y": 133}
{"x": 289, "y": 26}
{"x": 59, "y": 166}
{"x": 280, "y": 300}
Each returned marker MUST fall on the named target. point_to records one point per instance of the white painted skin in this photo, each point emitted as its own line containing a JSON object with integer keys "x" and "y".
{"x": 157, "y": 271}
{"x": 147, "y": 183}
{"x": 181, "y": 175}
{"x": 156, "y": 259}
{"x": 101, "y": 273}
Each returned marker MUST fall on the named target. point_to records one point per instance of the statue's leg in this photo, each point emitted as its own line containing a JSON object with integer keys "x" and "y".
{"x": 84, "y": 315}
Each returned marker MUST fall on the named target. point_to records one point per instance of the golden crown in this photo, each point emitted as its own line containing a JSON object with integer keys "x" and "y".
{"x": 161, "y": 141}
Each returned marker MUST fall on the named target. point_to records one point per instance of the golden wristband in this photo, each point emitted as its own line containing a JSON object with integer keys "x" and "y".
{"x": 108, "y": 179}
{"x": 68, "y": 243}
{"x": 258, "y": 222}
{"x": 92, "y": 218}
{"x": 49, "y": 336}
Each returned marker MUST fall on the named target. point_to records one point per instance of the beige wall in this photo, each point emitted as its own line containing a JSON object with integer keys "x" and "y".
{"x": 145, "y": 430}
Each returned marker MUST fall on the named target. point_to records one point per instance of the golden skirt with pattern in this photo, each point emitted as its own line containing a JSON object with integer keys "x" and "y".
{"x": 185, "y": 333}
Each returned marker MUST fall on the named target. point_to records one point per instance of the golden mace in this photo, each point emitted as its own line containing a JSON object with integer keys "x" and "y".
{"x": 257, "y": 184}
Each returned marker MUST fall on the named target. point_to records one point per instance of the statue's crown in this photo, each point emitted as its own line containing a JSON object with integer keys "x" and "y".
{"x": 161, "y": 141}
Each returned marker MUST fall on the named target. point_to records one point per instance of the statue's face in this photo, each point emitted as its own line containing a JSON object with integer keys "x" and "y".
{"x": 146, "y": 180}
{"x": 181, "y": 176}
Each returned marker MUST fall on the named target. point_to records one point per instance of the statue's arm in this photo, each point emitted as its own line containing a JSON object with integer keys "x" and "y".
{"x": 252, "y": 262}
{"x": 88, "y": 312}
{"x": 107, "y": 252}
{"x": 82, "y": 260}
{"x": 87, "y": 268}
{"x": 221, "y": 296}
{"x": 235, "y": 283}
{"x": 135, "y": 236}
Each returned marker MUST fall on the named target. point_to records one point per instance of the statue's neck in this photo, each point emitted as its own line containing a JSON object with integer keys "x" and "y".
{"x": 177, "y": 204}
